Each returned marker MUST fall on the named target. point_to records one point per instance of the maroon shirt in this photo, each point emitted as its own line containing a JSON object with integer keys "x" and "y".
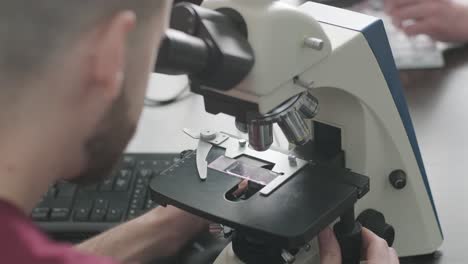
{"x": 22, "y": 243}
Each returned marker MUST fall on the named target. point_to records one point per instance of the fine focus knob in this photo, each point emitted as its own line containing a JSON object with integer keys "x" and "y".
{"x": 375, "y": 222}
{"x": 398, "y": 179}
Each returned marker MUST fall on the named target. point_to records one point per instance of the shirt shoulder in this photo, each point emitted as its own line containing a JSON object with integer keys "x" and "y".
{"x": 22, "y": 243}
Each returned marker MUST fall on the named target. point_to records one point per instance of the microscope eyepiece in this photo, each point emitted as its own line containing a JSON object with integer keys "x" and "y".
{"x": 210, "y": 46}
{"x": 185, "y": 54}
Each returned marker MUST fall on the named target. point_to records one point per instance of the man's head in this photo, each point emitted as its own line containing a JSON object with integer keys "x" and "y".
{"x": 74, "y": 73}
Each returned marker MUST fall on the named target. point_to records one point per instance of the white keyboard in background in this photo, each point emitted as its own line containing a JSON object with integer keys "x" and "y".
{"x": 419, "y": 52}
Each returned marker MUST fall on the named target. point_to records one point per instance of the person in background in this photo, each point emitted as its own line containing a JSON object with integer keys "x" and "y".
{"x": 442, "y": 20}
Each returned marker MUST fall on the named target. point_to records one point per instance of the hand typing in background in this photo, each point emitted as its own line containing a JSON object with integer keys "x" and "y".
{"x": 443, "y": 20}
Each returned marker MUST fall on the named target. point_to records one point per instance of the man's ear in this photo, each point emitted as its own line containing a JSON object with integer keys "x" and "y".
{"x": 109, "y": 54}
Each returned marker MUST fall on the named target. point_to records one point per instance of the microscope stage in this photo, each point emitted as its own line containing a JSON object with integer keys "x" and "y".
{"x": 289, "y": 217}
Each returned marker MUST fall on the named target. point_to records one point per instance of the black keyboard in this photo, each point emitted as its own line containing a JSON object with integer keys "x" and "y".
{"x": 70, "y": 212}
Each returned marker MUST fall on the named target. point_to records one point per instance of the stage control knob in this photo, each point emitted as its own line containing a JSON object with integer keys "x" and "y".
{"x": 375, "y": 222}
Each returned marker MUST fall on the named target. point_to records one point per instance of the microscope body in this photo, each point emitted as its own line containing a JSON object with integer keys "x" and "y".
{"x": 312, "y": 54}
{"x": 360, "y": 93}
{"x": 353, "y": 76}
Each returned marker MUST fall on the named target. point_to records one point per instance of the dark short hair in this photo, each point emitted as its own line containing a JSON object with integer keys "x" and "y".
{"x": 32, "y": 31}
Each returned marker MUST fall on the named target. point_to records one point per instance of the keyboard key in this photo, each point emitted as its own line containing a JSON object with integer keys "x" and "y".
{"x": 124, "y": 174}
{"x": 140, "y": 192}
{"x": 141, "y": 181}
{"x": 106, "y": 185}
{"x": 66, "y": 190}
{"x": 51, "y": 192}
{"x": 59, "y": 214}
{"x": 128, "y": 162}
{"x": 134, "y": 213}
{"x": 121, "y": 184}
{"x": 92, "y": 187}
{"x": 141, "y": 186}
{"x": 82, "y": 214}
{"x": 144, "y": 173}
{"x": 150, "y": 204}
{"x": 138, "y": 199}
{"x": 97, "y": 215}
{"x": 40, "y": 214}
{"x": 135, "y": 206}
{"x": 84, "y": 202}
{"x": 137, "y": 203}
{"x": 148, "y": 163}
{"x": 114, "y": 215}
{"x": 100, "y": 204}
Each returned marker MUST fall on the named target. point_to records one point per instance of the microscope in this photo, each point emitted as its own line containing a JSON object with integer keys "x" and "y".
{"x": 326, "y": 76}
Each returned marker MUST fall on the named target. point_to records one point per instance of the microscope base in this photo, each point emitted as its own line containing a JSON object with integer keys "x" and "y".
{"x": 309, "y": 256}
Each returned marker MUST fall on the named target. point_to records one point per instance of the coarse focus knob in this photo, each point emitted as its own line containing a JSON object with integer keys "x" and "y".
{"x": 375, "y": 222}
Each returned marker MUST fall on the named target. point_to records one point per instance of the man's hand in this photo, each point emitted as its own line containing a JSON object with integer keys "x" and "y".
{"x": 161, "y": 232}
{"x": 375, "y": 249}
{"x": 443, "y": 20}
